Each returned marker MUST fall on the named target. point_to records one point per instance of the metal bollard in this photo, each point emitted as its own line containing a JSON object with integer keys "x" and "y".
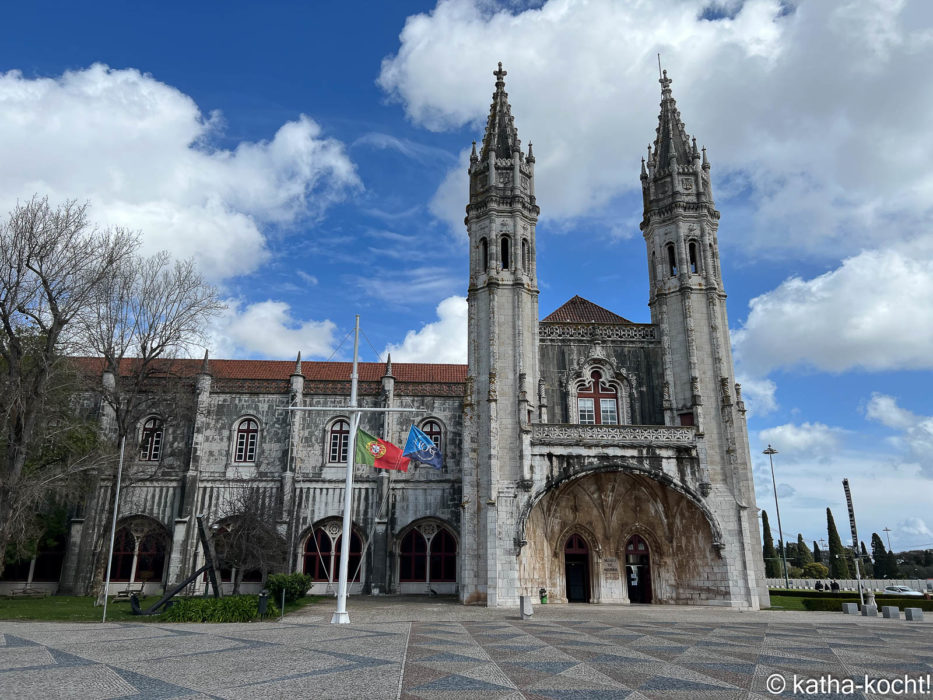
{"x": 263, "y": 603}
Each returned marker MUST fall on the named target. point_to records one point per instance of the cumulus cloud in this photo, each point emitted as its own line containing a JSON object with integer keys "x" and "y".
{"x": 915, "y": 432}
{"x": 759, "y": 395}
{"x": 914, "y": 527}
{"x": 140, "y": 151}
{"x": 268, "y": 329}
{"x": 809, "y": 440}
{"x": 826, "y": 156}
{"x": 443, "y": 341}
{"x": 873, "y": 312}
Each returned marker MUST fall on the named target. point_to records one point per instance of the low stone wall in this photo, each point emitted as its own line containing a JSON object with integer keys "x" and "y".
{"x": 875, "y": 584}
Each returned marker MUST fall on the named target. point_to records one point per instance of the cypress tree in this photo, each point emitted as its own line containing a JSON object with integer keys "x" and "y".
{"x": 838, "y": 566}
{"x": 773, "y": 567}
{"x": 817, "y": 554}
{"x": 880, "y": 555}
{"x": 804, "y": 556}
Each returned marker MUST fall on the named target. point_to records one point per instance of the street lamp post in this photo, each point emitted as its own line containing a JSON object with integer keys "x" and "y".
{"x": 771, "y": 452}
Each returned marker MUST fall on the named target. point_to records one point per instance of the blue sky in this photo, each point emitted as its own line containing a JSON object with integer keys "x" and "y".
{"x": 311, "y": 156}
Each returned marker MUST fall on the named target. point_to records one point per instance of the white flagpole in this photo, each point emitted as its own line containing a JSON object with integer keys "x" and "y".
{"x": 113, "y": 527}
{"x": 340, "y": 615}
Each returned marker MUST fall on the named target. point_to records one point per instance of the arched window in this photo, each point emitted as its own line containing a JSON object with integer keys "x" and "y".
{"x": 433, "y": 430}
{"x": 318, "y": 556}
{"x": 506, "y": 252}
{"x": 598, "y": 402}
{"x": 671, "y": 260}
{"x": 150, "y": 444}
{"x": 694, "y": 263}
{"x": 247, "y": 433}
{"x": 443, "y": 557}
{"x": 483, "y": 254}
{"x": 150, "y": 559}
{"x": 322, "y": 556}
{"x": 337, "y": 441}
{"x": 525, "y": 254}
{"x": 124, "y": 546}
{"x": 412, "y": 557}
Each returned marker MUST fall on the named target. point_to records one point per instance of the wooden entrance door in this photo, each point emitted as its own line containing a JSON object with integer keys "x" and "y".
{"x": 577, "y": 569}
{"x": 638, "y": 570}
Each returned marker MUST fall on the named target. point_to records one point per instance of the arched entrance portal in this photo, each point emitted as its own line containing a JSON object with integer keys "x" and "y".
{"x": 593, "y": 518}
{"x": 638, "y": 570}
{"x": 577, "y": 569}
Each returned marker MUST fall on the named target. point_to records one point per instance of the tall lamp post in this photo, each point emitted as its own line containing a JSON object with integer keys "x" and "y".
{"x": 771, "y": 452}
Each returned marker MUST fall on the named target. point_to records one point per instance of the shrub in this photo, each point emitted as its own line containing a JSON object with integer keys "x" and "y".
{"x": 239, "y": 608}
{"x": 294, "y": 585}
{"x": 815, "y": 570}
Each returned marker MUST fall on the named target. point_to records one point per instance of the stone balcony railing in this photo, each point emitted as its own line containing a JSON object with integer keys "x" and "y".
{"x": 608, "y": 435}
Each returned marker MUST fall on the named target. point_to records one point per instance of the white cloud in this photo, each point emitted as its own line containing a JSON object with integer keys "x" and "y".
{"x": 914, "y": 530}
{"x": 267, "y": 329}
{"x": 873, "y": 312}
{"x": 443, "y": 341}
{"x": 915, "y": 438}
{"x": 140, "y": 151}
{"x": 810, "y": 113}
{"x": 807, "y": 440}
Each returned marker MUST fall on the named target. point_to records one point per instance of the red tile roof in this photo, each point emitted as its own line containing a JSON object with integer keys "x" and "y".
{"x": 312, "y": 371}
{"x": 580, "y": 310}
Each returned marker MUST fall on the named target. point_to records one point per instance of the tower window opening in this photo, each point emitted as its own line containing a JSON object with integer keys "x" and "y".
{"x": 694, "y": 266}
{"x": 671, "y": 260}
{"x": 525, "y": 254}
{"x": 483, "y": 254}
{"x": 506, "y": 249}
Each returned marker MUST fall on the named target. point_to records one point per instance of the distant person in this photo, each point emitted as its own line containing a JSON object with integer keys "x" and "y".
{"x": 834, "y": 586}
{"x": 819, "y": 585}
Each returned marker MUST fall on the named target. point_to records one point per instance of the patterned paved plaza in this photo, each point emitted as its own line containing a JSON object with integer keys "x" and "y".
{"x": 400, "y": 648}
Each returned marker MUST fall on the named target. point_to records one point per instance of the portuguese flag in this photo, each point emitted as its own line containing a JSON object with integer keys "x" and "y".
{"x": 381, "y": 454}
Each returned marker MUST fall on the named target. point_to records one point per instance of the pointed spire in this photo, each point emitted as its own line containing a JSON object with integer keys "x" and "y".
{"x": 298, "y": 363}
{"x": 644, "y": 173}
{"x": 501, "y": 136}
{"x": 205, "y": 366}
{"x": 672, "y": 145}
{"x": 388, "y": 366}
{"x": 705, "y": 162}
{"x": 531, "y": 155}
{"x": 473, "y": 157}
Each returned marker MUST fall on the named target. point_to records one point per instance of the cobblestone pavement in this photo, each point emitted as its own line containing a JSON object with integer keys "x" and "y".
{"x": 434, "y": 650}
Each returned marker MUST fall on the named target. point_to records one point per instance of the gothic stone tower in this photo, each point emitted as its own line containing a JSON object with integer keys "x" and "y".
{"x": 503, "y": 352}
{"x": 688, "y": 304}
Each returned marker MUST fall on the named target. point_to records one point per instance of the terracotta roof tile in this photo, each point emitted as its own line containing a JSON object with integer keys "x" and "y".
{"x": 580, "y": 310}
{"x": 403, "y": 372}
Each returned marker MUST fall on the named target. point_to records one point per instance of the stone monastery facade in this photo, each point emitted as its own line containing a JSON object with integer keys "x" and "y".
{"x": 602, "y": 460}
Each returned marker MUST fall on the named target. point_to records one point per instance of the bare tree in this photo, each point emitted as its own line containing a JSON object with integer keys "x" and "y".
{"x": 248, "y": 539}
{"x": 148, "y": 312}
{"x": 52, "y": 264}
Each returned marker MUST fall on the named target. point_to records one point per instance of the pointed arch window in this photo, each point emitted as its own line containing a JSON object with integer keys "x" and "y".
{"x": 412, "y": 557}
{"x": 525, "y": 255}
{"x": 506, "y": 252}
{"x": 322, "y": 556}
{"x": 338, "y": 439}
{"x": 671, "y": 260}
{"x": 431, "y": 558}
{"x": 694, "y": 258}
{"x": 150, "y": 444}
{"x": 247, "y": 435}
{"x": 598, "y": 401}
{"x": 483, "y": 254}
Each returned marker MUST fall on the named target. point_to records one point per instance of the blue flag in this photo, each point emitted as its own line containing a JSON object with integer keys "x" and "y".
{"x": 422, "y": 449}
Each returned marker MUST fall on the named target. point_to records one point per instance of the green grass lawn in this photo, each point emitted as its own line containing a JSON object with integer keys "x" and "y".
{"x": 786, "y": 602}
{"x": 81, "y": 609}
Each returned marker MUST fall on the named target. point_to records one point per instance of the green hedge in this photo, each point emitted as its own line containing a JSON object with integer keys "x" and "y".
{"x": 798, "y": 593}
{"x": 240, "y": 608}
{"x": 835, "y": 605}
{"x": 294, "y": 585}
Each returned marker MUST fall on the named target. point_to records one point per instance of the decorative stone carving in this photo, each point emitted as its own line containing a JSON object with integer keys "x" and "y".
{"x": 567, "y": 434}
{"x": 557, "y": 332}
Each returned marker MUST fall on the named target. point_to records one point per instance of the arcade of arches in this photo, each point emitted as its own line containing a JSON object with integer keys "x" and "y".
{"x": 616, "y": 537}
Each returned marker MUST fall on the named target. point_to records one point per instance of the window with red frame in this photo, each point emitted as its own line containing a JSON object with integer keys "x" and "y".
{"x": 443, "y": 557}
{"x": 412, "y": 560}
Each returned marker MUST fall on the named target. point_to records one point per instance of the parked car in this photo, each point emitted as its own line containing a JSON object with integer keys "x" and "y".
{"x": 902, "y": 590}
